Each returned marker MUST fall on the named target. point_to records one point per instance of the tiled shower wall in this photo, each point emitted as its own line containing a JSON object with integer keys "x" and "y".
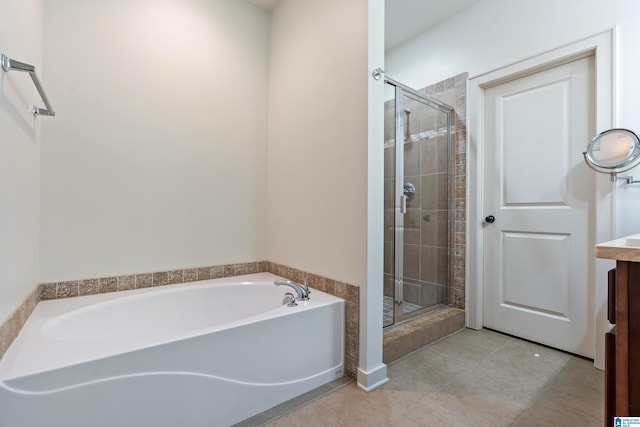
{"x": 350, "y": 293}
{"x": 426, "y": 233}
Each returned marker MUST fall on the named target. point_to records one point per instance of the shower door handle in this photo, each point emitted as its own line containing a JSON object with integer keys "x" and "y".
{"x": 408, "y": 193}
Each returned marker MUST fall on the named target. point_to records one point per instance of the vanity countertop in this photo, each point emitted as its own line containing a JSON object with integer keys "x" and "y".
{"x": 623, "y": 249}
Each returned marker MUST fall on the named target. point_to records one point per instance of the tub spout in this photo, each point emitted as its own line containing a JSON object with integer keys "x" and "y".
{"x": 302, "y": 291}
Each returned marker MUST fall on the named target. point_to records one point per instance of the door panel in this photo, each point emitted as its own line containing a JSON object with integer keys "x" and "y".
{"x": 527, "y": 287}
{"x": 537, "y": 253}
{"x": 535, "y": 123}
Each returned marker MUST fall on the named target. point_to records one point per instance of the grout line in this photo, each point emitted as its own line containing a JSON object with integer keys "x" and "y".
{"x": 333, "y": 388}
{"x": 474, "y": 365}
{"x": 540, "y": 392}
{"x": 553, "y": 378}
{"x": 316, "y": 398}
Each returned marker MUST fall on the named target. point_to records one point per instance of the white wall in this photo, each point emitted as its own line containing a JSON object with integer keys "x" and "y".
{"x": 318, "y": 138}
{"x": 495, "y": 33}
{"x": 156, "y": 159}
{"x": 20, "y": 39}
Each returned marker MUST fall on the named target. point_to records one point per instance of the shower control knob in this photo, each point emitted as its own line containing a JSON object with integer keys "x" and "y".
{"x": 490, "y": 219}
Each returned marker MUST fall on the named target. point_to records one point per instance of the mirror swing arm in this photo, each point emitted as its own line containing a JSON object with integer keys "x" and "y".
{"x": 628, "y": 179}
{"x": 614, "y": 174}
{"x": 614, "y": 151}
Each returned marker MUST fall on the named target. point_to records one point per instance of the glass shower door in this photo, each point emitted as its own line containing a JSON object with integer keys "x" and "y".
{"x": 417, "y": 203}
{"x": 389, "y": 204}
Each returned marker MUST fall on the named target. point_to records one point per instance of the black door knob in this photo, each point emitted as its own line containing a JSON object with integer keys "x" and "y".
{"x": 490, "y": 219}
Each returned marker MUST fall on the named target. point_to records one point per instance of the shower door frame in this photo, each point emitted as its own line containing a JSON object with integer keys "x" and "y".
{"x": 400, "y": 200}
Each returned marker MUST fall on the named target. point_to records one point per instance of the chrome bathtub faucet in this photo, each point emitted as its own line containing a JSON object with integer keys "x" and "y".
{"x": 289, "y": 300}
{"x": 301, "y": 290}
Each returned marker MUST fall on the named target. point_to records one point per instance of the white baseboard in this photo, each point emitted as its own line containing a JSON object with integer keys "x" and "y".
{"x": 369, "y": 381}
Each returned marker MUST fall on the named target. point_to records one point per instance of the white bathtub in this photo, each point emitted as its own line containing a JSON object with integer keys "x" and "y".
{"x": 209, "y": 353}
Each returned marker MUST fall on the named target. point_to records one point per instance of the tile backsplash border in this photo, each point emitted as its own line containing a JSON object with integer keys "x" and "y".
{"x": 67, "y": 289}
{"x": 101, "y": 285}
{"x": 11, "y": 327}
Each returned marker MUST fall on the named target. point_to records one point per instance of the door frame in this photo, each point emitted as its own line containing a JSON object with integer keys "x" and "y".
{"x": 602, "y": 47}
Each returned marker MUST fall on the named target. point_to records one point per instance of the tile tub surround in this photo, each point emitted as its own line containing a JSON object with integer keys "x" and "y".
{"x": 348, "y": 292}
{"x": 75, "y": 288}
{"x": 11, "y": 327}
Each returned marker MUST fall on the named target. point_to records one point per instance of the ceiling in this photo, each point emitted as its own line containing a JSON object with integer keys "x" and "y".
{"x": 405, "y": 19}
{"x": 265, "y": 4}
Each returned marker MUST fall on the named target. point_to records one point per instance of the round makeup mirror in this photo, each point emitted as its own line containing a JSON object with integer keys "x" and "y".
{"x": 613, "y": 151}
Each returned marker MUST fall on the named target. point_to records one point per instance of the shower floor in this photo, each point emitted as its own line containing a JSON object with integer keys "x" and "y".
{"x": 388, "y": 304}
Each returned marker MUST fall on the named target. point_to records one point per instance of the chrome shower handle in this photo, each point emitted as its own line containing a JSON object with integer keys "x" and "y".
{"x": 409, "y": 191}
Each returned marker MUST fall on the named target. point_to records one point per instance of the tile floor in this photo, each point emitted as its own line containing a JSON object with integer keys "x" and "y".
{"x": 471, "y": 378}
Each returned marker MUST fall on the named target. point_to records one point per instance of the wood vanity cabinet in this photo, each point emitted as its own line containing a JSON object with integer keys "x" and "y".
{"x": 622, "y": 343}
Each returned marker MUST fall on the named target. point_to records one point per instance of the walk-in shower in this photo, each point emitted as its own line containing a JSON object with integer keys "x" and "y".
{"x": 418, "y": 203}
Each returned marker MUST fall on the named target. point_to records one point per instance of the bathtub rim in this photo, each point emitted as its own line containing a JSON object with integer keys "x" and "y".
{"x": 47, "y": 311}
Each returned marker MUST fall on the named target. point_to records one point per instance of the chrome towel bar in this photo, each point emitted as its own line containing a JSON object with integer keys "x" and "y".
{"x": 9, "y": 64}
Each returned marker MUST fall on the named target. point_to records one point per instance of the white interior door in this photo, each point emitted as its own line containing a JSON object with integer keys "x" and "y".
{"x": 538, "y": 251}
